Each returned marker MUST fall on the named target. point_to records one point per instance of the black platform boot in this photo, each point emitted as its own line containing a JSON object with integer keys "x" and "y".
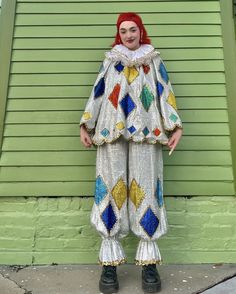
{"x": 151, "y": 281}
{"x": 108, "y": 282}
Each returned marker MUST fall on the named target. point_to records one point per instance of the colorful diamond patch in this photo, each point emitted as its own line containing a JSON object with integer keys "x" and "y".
{"x": 115, "y": 95}
{"x": 163, "y": 72}
{"x": 119, "y": 193}
{"x": 119, "y": 67}
{"x": 146, "y": 97}
{"x": 105, "y": 132}
{"x": 160, "y": 89}
{"x": 146, "y": 131}
{"x": 100, "y": 190}
{"x": 156, "y": 132}
{"x": 120, "y": 125}
{"x": 99, "y": 88}
{"x": 171, "y": 100}
{"x": 87, "y": 115}
{"x": 109, "y": 218}
{"x": 149, "y": 222}
{"x": 132, "y": 129}
{"x": 146, "y": 68}
{"x": 130, "y": 73}
{"x": 173, "y": 117}
{"x": 136, "y": 194}
{"x": 127, "y": 105}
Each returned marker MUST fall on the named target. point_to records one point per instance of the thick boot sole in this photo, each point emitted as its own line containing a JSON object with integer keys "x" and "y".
{"x": 151, "y": 287}
{"x": 108, "y": 288}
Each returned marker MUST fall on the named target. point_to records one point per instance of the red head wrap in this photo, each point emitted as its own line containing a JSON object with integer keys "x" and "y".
{"x": 130, "y": 16}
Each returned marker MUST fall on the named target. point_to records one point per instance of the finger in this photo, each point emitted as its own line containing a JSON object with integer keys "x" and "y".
{"x": 88, "y": 141}
{"x": 173, "y": 144}
{"x": 171, "y": 140}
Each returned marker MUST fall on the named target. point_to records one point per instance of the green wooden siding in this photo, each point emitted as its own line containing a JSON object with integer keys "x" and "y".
{"x": 57, "y": 49}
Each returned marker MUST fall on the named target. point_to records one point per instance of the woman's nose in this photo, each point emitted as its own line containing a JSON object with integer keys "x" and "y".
{"x": 128, "y": 35}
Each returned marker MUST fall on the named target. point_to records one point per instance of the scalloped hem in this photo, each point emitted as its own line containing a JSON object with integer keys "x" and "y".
{"x": 145, "y": 262}
{"x": 145, "y": 140}
{"x": 114, "y": 263}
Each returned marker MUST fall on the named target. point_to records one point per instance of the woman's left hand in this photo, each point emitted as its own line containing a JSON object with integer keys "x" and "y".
{"x": 175, "y": 138}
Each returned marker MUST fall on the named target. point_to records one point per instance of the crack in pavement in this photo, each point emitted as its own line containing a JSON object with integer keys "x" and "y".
{"x": 13, "y": 281}
{"x": 215, "y": 284}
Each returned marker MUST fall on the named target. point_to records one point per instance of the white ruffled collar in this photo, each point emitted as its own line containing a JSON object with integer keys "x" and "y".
{"x": 143, "y": 55}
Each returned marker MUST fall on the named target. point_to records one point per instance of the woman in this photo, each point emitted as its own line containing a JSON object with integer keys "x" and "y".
{"x": 130, "y": 114}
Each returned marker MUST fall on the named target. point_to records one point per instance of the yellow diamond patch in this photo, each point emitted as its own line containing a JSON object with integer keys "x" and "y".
{"x": 120, "y": 125}
{"x": 136, "y": 194}
{"x": 130, "y": 73}
{"x": 119, "y": 193}
{"x": 87, "y": 115}
{"x": 171, "y": 100}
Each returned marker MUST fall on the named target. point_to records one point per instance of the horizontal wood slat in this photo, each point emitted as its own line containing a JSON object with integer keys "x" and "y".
{"x": 83, "y": 188}
{"x": 84, "y": 158}
{"x": 155, "y": 18}
{"x": 109, "y": 7}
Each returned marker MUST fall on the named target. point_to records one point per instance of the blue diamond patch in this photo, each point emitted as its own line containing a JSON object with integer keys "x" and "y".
{"x": 108, "y": 217}
{"x": 99, "y": 88}
{"x": 149, "y": 222}
{"x": 132, "y": 129}
{"x": 160, "y": 89}
{"x": 100, "y": 190}
{"x": 163, "y": 72}
{"x": 119, "y": 67}
{"x": 105, "y": 132}
{"x": 127, "y": 105}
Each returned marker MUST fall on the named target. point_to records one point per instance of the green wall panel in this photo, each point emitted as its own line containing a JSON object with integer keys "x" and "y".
{"x": 57, "y": 50}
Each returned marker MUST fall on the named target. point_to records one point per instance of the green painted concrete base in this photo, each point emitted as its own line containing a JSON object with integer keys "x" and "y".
{"x": 57, "y": 230}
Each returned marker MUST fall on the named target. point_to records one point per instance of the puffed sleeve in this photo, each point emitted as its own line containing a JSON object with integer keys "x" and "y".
{"x": 93, "y": 105}
{"x": 166, "y": 97}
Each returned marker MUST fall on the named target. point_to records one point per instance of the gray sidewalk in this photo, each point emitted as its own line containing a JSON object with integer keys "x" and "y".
{"x": 83, "y": 279}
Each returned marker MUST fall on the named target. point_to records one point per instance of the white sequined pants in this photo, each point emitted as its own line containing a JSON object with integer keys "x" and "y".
{"x": 129, "y": 195}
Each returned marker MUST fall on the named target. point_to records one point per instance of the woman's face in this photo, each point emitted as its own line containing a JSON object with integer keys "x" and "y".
{"x": 130, "y": 35}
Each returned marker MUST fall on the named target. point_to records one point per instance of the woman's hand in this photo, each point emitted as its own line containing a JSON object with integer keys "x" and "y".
{"x": 174, "y": 139}
{"x": 84, "y": 137}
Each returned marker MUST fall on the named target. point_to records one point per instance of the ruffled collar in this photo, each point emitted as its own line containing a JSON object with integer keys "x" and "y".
{"x": 143, "y": 55}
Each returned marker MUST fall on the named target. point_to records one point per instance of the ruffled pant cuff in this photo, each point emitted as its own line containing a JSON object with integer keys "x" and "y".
{"x": 111, "y": 252}
{"x": 147, "y": 253}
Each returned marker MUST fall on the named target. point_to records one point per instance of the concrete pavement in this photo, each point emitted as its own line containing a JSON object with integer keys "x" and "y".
{"x": 83, "y": 279}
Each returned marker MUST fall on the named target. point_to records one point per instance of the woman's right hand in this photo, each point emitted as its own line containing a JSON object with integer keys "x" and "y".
{"x": 84, "y": 137}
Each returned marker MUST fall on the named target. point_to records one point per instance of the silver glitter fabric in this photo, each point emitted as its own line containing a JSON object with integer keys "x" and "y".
{"x": 132, "y": 97}
{"x": 129, "y": 196}
{"x": 130, "y": 110}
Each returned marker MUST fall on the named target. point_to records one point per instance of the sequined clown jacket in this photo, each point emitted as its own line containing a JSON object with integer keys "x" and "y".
{"x": 132, "y": 97}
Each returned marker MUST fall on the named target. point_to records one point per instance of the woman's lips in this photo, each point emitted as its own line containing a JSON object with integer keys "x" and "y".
{"x": 130, "y": 41}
